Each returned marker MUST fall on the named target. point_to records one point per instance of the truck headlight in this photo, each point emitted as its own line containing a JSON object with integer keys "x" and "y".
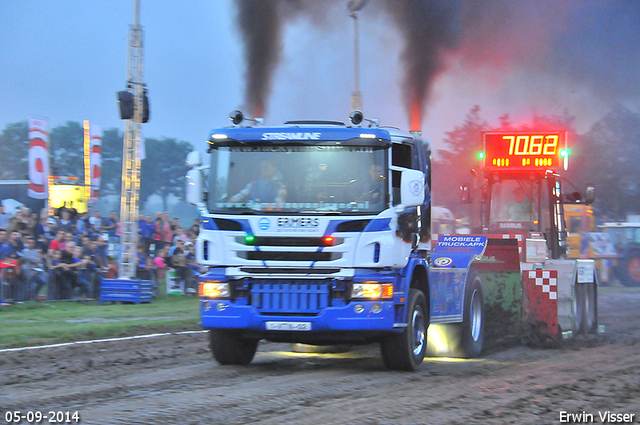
{"x": 214, "y": 290}
{"x": 372, "y": 291}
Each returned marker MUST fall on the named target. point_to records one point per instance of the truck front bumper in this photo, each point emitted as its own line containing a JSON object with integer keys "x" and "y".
{"x": 355, "y": 316}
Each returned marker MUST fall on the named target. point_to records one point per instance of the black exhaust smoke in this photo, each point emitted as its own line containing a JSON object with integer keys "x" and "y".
{"x": 429, "y": 28}
{"x": 260, "y": 26}
{"x": 573, "y": 43}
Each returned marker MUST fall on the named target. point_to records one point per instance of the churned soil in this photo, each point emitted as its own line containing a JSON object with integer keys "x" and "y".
{"x": 172, "y": 379}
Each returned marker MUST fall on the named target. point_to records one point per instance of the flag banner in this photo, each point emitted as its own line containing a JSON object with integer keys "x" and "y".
{"x": 95, "y": 159}
{"x": 38, "y": 157}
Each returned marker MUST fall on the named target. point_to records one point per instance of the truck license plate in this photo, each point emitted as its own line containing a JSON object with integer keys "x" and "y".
{"x": 288, "y": 326}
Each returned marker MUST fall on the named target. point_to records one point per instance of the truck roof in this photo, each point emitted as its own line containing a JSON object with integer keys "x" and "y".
{"x": 298, "y": 132}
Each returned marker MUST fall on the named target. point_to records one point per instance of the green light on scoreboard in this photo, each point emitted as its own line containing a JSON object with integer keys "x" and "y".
{"x": 564, "y": 153}
{"x": 480, "y": 155}
{"x": 249, "y": 238}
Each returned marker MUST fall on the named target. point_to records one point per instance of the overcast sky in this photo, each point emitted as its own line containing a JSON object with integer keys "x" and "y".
{"x": 66, "y": 59}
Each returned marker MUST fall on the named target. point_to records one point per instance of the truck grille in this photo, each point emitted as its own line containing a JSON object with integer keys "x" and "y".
{"x": 288, "y": 241}
{"x": 289, "y": 296}
{"x": 290, "y": 256}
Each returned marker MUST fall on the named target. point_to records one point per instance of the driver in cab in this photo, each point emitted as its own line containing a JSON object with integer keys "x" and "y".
{"x": 267, "y": 188}
{"x": 521, "y": 208}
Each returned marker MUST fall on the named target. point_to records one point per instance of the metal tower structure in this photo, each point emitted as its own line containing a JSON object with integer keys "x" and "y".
{"x": 356, "y": 97}
{"x": 130, "y": 193}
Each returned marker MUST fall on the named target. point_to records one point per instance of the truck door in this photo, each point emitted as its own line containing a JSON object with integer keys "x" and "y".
{"x": 410, "y": 222}
{"x": 423, "y": 158}
{"x": 557, "y": 233}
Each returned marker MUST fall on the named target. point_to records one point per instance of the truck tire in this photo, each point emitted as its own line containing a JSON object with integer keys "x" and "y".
{"x": 405, "y": 351}
{"x": 589, "y": 322}
{"x": 585, "y": 301}
{"x": 229, "y": 348}
{"x": 472, "y": 327}
{"x": 578, "y": 306}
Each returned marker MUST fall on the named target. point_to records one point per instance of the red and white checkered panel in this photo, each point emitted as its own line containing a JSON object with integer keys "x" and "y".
{"x": 548, "y": 284}
{"x": 541, "y": 299}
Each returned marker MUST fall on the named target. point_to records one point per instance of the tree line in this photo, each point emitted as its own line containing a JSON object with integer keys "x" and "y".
{"x": 162, "y": 172}
{"x": 608, "y": 155}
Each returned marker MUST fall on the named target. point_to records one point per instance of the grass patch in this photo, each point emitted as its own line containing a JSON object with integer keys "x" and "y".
{"x": 37, "y": 323}
{"x": 617, "y": 289}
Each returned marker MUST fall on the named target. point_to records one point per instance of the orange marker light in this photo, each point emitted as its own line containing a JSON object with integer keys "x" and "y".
{"x": 387, "y": 291}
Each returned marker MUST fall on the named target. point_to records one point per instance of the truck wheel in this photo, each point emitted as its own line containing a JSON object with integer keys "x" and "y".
{"x": 405, "y": 351}
{"x": 229, "y": 348}
{"x": 472, "y": 327}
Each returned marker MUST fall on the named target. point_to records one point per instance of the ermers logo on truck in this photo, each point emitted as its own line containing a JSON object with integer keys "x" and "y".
{"x": 297, "y": 222}
{"x": 291, "y": 136}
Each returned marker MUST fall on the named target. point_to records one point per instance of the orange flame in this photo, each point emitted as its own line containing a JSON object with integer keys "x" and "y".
{"x": 257, "y": 111}
{"x": 415, "y": 115}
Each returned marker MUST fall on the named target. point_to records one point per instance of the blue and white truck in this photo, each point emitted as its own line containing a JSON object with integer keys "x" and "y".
{"x": 318, "y": 232}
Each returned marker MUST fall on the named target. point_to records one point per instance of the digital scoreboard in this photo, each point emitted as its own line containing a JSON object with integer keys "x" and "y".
{"x": 525, "y": 150}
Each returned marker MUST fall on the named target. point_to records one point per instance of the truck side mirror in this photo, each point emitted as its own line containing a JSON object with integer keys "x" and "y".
{"x": 193, "y": 190}
{"x": 412, "y": 188}
{"x": 465, "y": 194}
{"x": 194, "y": 159}
{"x": 590, "y": 193}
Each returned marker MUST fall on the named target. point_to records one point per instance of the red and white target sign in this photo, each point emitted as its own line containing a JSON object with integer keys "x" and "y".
{"x": 443, "y": 261}
{"x": 95, "y": 159}
{"x": 38, "y": 157}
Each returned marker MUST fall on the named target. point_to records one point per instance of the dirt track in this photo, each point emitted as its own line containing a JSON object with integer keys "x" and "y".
{"x": 173, "y": 380}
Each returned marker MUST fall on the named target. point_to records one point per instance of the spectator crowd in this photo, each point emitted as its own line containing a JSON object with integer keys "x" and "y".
{"x": 65, "y": 256}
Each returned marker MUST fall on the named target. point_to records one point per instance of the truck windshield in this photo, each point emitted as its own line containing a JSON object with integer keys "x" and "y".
{"x": 322, "y": 179}
{"x": 519, "y": 204}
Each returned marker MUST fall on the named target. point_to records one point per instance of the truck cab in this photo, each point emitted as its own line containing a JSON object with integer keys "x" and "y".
{"x": 311, "y": 232}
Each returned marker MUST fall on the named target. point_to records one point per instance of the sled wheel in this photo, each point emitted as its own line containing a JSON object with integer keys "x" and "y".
{"x": 589, "y": 303}
{"x": 631, "y": 274}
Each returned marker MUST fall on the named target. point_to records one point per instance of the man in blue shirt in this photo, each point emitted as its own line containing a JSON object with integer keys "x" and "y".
{"x": 109, "y": 226}
{"x": 5, "y": 246}
{"x": 82, "y": 225}
{"x": 4, "y": 218}
{"x": 101, "y": 252}
{"x": 146, "y": 231}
